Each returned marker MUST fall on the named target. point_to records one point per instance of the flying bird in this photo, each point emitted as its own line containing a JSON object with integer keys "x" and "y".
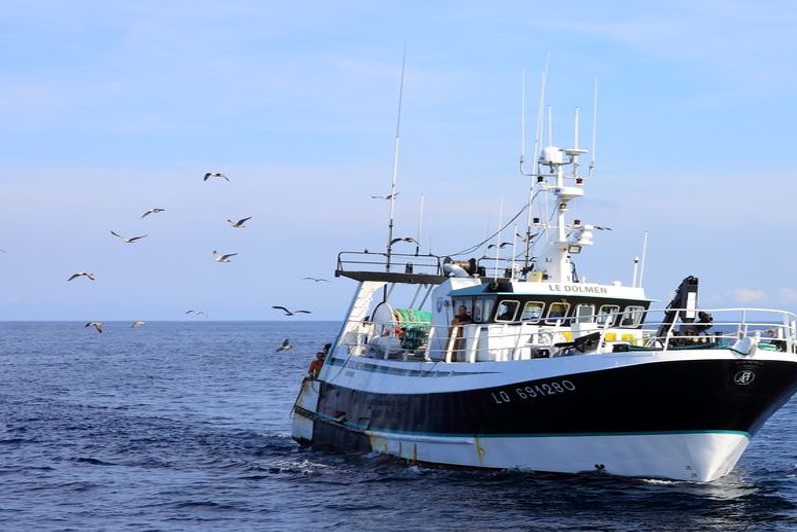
{"x": 403, "y": 239}
{"x": 127, "y": 239}
{"x": 96, "y": 324}
{"x": 218, "y": 257}
{"x": 239, "y": 223}
{"x": 138, "y": 323}
{"x": 285, "y": 345}
{"x": 81, "y": 274}
{"x": 153, "y": 211}
{"x": 389, "y": 196}
{"x": 502, "y": 245}
{"x": 215, "y": 174}
{"x": 291, "y": 312}
{"x": 316, "y": 279}
{"x": 197, "y": 312}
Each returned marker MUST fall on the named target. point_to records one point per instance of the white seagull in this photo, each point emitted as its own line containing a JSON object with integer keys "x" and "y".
{"x": 137, "y": 323}
{"x": 153, "y": 211}
{"x": 215, "y": 174}
{"x": 197, "y": 312}
{"x": 285, "y": 345}
{"x": 239, "y": 223}
{"x": 96, "y": 324}
{"x": 218, "y": 257}
{"x": 316, "y": 279}
{"x": 127, "y": 239}
{"x": 81, "y": 274}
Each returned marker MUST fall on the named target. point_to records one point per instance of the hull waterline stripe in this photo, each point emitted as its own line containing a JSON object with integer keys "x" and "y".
{"x": 467, "y": 438}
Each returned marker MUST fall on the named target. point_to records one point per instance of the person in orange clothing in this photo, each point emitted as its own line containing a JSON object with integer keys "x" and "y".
{"x": 316, "y": 365}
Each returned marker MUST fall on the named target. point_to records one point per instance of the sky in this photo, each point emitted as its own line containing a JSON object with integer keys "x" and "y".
{"x": 110, "y": 109}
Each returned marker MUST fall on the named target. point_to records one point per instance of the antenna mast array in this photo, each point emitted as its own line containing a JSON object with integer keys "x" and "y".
{"x": 555, "y": 159}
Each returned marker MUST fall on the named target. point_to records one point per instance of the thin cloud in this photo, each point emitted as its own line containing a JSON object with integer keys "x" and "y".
{"x": 788, "y": 295}
{"x": 719, "y": 36}
{"x": 746, "y": 295}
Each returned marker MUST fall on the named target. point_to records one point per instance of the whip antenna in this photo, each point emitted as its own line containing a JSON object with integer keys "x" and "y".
{"x": 395, "y": 164}
{"x": 536, "y": 155}
{"x": 420, "y": 224}
{"x": 594, "y": 128}
{"x": 522, "y": 120}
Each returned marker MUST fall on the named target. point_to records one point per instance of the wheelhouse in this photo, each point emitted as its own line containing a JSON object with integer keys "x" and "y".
{"x": 550, "y": 309}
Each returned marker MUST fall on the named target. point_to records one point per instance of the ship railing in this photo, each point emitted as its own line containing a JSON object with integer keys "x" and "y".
{"x": 772, "y": 330}
{"x": 502, "y": 267}
{"x": 352, "y": 262}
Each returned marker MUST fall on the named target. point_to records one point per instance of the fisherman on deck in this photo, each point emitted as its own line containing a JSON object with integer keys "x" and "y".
{"x": 462, "y": 317}
{"x": 316, "y": 365}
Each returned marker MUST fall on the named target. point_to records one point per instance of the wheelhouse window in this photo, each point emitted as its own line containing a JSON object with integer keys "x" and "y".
{"x": 481, "y": 309}
{"x": 607, "y": 315}
{"x": 507, "y": 310}
{"x": 532, "y": 311}
{"x": 467, "y": 303}
{"x": 585, "y": 313}
{"x": 557, "y": 311}
{"x": 632, "y": 316}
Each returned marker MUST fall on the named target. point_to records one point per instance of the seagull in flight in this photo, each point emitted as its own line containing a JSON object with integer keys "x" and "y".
{"x": 285, "y": 345}
{"x": 403, "y": 239}
{"x": 96, "y": 324}
{"x": 82, "y": 274}
{"x": 138, "y": 323}
{"x": 239, "y": 223}
{"x": 388, "y": 197}
{"x": 127, "y": 239}
{"x": 291, "y": 312}
{"x": 215, "y": 174}
{"x": 316, "y": 279}
{"x": 152, "y": 211}
{"x": 197, "y": 312}
{"x": 502, "y": 245}
{"x": 218, "y": 257}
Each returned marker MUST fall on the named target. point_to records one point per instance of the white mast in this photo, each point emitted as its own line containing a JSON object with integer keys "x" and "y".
{"x": 642, "y": 265}
{"x": 594, "y": 129}
{"x": 420, "y": 222}
{"x": 522, "y": 120}
{"x": 392, "y": 195}
{"x": 498, "y": 237}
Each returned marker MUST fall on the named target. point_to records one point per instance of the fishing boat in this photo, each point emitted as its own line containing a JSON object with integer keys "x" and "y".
{"x": 516, "y": 362}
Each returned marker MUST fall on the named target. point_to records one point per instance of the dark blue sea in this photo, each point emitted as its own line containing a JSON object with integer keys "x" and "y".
{"x": 186, "y": 426}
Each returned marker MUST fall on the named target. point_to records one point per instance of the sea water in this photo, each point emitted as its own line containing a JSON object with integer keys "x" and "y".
{"x": 186, "y": 426}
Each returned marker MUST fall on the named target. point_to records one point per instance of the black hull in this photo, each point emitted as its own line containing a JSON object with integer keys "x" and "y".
{"x": 668, "y": 397}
